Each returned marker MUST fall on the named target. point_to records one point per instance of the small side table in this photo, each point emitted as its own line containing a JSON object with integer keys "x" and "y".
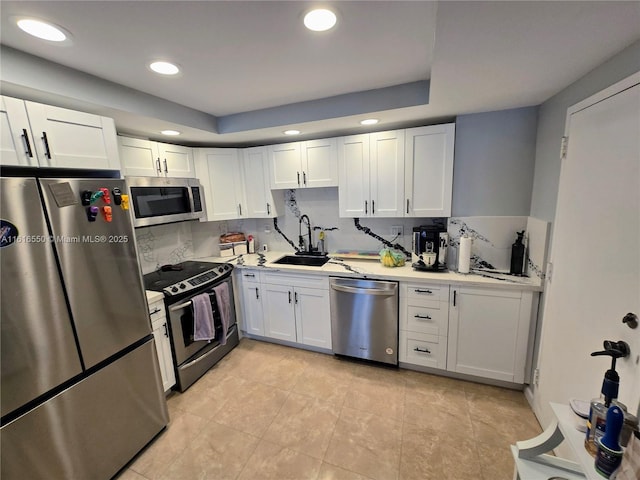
{"x": 533, "y": 463}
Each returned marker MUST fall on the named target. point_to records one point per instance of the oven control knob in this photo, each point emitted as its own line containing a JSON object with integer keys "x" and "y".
{"x": 183, "y": 286}
{"x": 174, "y": 289}
{"x": 221, "y": 269}
{"x": 227, "y": 267}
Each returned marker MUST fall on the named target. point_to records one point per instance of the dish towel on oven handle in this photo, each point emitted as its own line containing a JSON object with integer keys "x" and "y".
{"x": 203, "y": 328}
{"x": 224, "y": 307}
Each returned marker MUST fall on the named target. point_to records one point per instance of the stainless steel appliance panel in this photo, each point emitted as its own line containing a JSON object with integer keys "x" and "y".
{"x": 89, "y": 431}
{"x": 364, "y": 319}
{"x": 181, "y": 323}
{"x": 100, "y": 270}
{"x": 38, "y": 347}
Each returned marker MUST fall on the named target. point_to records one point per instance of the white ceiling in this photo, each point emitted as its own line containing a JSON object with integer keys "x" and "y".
{"x": 250, "y": 69}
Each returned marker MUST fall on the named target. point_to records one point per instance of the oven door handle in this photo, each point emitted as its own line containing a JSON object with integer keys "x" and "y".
{"x": 180, "y": 306}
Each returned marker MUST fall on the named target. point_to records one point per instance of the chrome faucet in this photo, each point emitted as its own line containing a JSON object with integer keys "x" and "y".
{"x": 300, "y": 236}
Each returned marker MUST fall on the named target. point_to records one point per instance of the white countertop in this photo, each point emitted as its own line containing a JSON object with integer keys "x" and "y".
{"x": 154, "y": 296}
{"x": 374, "y": 269}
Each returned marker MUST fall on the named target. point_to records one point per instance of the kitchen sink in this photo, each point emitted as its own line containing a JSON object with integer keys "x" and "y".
{"x": 307, "y": 260}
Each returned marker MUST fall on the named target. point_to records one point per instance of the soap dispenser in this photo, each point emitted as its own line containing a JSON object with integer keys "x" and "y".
{"x": 517, "y": 255}
{"x": 609, "y": 393}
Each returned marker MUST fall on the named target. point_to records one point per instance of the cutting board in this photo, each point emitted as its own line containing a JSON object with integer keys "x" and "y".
{"x": 356, "y": 255}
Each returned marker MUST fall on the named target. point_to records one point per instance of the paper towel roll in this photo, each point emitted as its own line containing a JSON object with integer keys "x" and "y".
{"x": 464, "y": 255}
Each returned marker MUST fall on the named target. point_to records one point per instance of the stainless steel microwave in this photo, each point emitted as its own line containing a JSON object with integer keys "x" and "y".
{"x": 157, "y": 200}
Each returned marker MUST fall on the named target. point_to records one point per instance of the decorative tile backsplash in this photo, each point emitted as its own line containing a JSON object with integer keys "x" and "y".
{"x": 164, "y": 244}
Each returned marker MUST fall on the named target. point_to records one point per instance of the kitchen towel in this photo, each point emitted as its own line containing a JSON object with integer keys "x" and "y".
{"x": 224, "y": 307}
{"x": 203, "y": 328}
{"x": 464, "y": 255}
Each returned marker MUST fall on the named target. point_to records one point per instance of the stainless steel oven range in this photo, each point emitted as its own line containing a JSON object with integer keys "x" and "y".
{"x": 180, "y": 283}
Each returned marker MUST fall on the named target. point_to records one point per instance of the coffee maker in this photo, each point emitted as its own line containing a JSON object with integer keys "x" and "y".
{"x": 429, "y": 247}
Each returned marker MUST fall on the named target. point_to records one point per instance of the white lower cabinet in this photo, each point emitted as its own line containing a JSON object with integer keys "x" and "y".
{"x": 252, "y": 308}
{"x": 489, "y": 332}
{"x": 296, "y": 309}
{"x": 163, "y": 344}
{"x": 424, "y": 320}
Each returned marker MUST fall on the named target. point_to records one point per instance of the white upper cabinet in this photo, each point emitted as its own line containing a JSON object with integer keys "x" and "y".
{"x": 304, "y": 164}
{"x": 260, "y": 201}
{"x": 371, "y": 174}
{"x": 154, "y": 159}
{"x": 428, "y": 170}
{"x": 34, "y": 134}
{"x": 220, "y": 173}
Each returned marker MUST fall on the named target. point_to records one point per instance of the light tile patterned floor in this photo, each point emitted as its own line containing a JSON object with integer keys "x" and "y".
{"x": 273, "y": 412}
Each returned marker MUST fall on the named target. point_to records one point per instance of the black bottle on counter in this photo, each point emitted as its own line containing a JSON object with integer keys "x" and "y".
{"x": 517, "y": 255}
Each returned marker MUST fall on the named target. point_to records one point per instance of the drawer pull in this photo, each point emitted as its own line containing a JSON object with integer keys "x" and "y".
{"x": 249, "y": 275}
{"x": 417, "y": 349}
{"x": 419, "y": 290}
{"x": 424, "y": 317}
{"x": 154, "y": 311}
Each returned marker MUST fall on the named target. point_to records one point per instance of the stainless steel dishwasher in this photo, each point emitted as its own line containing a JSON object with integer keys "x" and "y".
{"x": 364, "y": 319}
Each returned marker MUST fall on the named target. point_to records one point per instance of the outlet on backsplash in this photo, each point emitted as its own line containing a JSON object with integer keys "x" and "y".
{"x": 397, "y": 230}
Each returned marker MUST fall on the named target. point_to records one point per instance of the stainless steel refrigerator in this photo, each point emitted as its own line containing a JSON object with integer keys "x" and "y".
{"x": 81, "y": 390}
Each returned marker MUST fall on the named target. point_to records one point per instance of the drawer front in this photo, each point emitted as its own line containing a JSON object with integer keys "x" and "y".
{"x": 422, "y": 349}
{"x": 156, "y": 310}
{"x": 249, "y": 276}
{"x": 309, "y": 281}
{"x": 433, "y": 321}
{"x": 427, "y": 292}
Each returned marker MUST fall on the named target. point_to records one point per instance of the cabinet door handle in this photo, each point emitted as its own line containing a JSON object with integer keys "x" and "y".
{"x": 426, "y": 350}
{"x": 419, "y": 290}
{"x": 268, "y": 209}
{"x": 423, "y": 317}
{"x": 166, "y": 170}
{"x": 25, "y": 135}
{"x": 289, "y": 296}
{"x": 298, "y": 173}
{"x": 366, "y": 207}
{"x": 373, "y": 207}
{"x": 257, "y": 295}
{"x": 158, "y": 167}
{"x": 407, "y": 205}
{"x": 166, "y": 330}
{"x": 295, "y": 296}
{"x": 240, "y": 208}
{"x": 304, "y": 178}
{"x": 454, "y": 297}
{"x": 47, "y": 150}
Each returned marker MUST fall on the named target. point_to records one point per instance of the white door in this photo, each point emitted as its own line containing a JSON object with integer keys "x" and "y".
{"x": 353, "y": 176}
{"x": 313, "y": 321}
{"x": 279, "y": 313}
{"x": 176, "y": 160}
{"x": 252, "y": 312}
{"x": 320, "y": 163}
{"x": 163, "y": 351}
{"x": 595, "y": 254}
{"x": 140, "y": 158}
{"x": 483, "y": 333}
{"x": 429, "y": 170}
{"x": 284, "y": 163}
{"x": 220, "y": 173}
{"x": 387, "y": 173}
{"x": 66, "y": 138}
{"x": 16, "y": 142}
{"x": 257, "y": 182}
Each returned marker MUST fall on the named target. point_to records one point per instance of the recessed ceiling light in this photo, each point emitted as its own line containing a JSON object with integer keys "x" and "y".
{"x": 170, "y": 132}
{"x": 291, "y": 132}
{"x": 369, "y": 121}
{"x": 320, "y": 20}
{"x": 41, "y": 29}
{"x": 164, "y": 68}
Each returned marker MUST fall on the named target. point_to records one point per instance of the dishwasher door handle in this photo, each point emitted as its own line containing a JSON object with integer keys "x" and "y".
{"x": 365, "y": 291}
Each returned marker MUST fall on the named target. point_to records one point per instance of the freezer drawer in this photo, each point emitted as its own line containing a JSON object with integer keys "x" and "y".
{"x": 364, "y": 319}
{"x": 92, "y": 429}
